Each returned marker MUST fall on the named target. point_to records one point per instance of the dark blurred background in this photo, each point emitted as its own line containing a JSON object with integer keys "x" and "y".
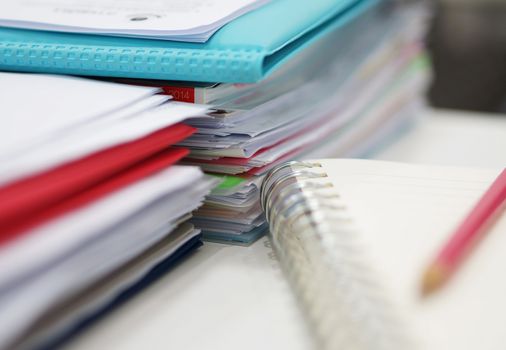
{"x": 468, "y": 49}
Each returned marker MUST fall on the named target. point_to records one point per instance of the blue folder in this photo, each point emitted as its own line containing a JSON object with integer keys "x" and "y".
{"x": 243, "y": 51}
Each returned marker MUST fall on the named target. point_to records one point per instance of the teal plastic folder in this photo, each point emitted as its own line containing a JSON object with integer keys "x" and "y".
{"x": 243, "y": 51}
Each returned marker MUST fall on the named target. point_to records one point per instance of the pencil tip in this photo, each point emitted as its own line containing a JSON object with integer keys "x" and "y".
{"x": 433, "y": 278}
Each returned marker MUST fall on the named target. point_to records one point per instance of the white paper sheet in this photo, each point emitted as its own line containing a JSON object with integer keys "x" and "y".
{"x": 95, "y": 136}
{"x": 186, "y": 20}
{"x": 34, "y": 107}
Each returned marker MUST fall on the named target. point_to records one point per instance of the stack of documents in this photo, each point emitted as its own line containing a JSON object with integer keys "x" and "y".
{"x": 349, "y": 92}
{"x": 91, "y": 203}
{"x": 354, "y": 88}
{"x": 280, "y": 81}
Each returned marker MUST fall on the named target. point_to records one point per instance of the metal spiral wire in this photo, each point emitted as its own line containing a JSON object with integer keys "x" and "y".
{"x": 321, "y": 252}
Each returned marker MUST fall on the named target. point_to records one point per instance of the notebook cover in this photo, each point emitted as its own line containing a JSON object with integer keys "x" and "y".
{"x": 243, "y": 51}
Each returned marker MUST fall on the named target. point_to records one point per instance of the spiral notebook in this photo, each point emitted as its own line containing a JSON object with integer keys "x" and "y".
{"x": 354, "y": 237}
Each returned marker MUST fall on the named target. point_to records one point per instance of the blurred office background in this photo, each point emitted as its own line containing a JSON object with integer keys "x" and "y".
{"x": 468, "y": 48}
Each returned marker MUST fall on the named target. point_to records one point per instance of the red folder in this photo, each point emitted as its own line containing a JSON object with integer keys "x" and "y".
{"x": 33, "y": 200}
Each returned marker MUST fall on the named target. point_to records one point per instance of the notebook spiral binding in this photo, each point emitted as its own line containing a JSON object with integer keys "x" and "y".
{"x": 320, "y": 250}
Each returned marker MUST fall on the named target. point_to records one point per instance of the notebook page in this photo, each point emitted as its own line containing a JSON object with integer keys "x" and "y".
{"x": 405, "y": 213}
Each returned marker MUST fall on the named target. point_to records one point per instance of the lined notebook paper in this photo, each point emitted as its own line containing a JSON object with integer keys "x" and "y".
{"x": 396, "y": 216}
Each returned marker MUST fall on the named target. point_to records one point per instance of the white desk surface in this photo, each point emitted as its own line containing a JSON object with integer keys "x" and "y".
{"x": 230, "y": 297}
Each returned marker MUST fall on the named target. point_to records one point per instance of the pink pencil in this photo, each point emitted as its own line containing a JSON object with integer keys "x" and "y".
{"x": 470, "y": 231}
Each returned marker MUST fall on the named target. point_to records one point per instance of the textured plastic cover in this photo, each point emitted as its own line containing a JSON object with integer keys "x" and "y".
{"x": 243, "y": 51}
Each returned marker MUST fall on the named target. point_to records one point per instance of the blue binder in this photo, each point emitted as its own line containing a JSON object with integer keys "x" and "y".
{"x": 243, "y": 51}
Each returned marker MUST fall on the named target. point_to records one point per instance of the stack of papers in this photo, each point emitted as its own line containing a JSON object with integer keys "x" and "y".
{"x": 92, "y": 203}
{"x": 352, "y": 89}
{"x": 342, "y": 96}
{"x": 88, "y": 193}
{"x": 179, "y": 20}
{"x": 347, "y": 93}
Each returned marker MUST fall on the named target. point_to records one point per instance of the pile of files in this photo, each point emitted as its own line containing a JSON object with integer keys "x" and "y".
{"x": 92, "y": 204}
{"x": 282, "y": 79}
{"x": 343, "y": 96}
{"x": 354, "y": 83}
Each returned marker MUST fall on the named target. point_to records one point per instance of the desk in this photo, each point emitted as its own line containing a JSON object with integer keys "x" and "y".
{"x": 229, "y": 297}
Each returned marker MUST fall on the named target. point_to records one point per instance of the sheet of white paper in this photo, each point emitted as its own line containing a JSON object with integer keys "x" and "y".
{"x": 34, "y": 107}
{"x": 188, "y": 20}
{"x": 95, "y": 136}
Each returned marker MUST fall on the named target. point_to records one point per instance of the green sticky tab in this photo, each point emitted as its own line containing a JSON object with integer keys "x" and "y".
{"x": 228, "y": 181}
